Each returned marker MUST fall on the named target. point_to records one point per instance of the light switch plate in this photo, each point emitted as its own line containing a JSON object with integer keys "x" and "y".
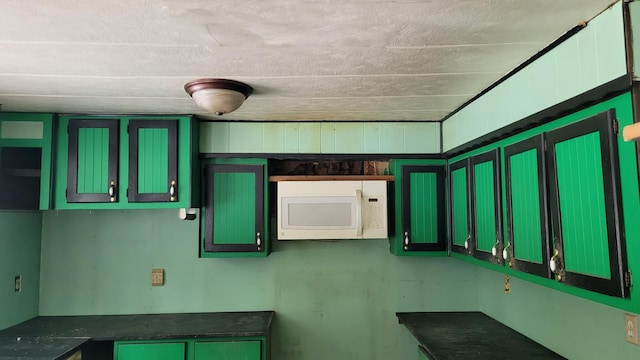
{"x": 157, "y": 277}
{"x": 631, "y": 328}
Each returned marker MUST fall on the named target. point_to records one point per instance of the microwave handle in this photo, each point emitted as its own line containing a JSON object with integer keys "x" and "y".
{"x": 359, "y": 213}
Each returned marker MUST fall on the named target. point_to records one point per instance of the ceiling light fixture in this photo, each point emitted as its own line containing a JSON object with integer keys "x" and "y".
{"x": 218, "y": 96}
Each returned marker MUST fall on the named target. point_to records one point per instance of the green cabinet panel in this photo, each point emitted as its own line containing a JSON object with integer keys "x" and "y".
{"x": 126, "y": 163}
{"x": 460, "y": 206}
{"x": 419, "y": 193}
{"x": 234, "y": 219}
{"x": 153, "y": 161}
{"x": 486, "y": 211}
{"x": 150, "y": 351}
{"x": 25, "y": 161}
{"x": 584, "y": 187}
{"x": 527, "y": 209}
{"x": 228, "y": 350}
{"x": 93, "y": 151}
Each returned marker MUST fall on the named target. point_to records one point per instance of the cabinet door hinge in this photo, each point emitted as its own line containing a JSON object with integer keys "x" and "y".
{"x": 616, "y": 126}
{"x": 627, "y": 279}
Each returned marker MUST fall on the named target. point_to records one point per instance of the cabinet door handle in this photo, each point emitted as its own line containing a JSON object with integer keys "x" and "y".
{"x": 259, "y": 241}
{"x": 466, "y": 242}
{"x": 172, "y": 190}
{"x": 406, "y": 240}
{"x": 505, "y": 253}
{"x": 112, "y": 190}
{"x": 494, "y": 249}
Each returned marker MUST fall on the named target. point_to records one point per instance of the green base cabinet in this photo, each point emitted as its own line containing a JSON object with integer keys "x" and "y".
{"x": 234, "y": 217}
{"x": 231, "y": 350}
{"x": 418, "y": 193}
{"x": 126, "y": 163}
{"x": 25, "y": 161}
{"x": 253, "y": 348}
{"x": 155, "y": 351}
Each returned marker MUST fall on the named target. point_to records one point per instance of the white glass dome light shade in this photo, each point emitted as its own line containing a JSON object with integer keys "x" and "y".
{"x": 218, "y": 96}
{"x": 218, "y": 101}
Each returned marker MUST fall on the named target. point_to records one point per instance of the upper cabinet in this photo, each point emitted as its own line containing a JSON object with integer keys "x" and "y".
{"x": 25, "y": 161}
{"x": 126, "y": 162}
{"x": 419, "y": 194}
{"x": 528, "y": 229}
{"x": 460, "y": 207}
{"x": 586, "y": 207}
{"x": 485, "y": 193}
{"x": 476, "y": 211}
{"x": 234, "y": 217}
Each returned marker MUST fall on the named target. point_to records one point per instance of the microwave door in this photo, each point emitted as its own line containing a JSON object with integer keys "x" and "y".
{"x": 358, "y": 213}
{"x": 320, "y": 217}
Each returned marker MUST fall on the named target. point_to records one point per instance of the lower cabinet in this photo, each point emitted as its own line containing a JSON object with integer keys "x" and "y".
{"x": 156, "y": 351}
{"x": 232, "y": 350}
{"x": 191, "y": 349}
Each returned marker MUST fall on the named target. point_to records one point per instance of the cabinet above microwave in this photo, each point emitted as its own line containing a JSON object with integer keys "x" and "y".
{"x": 324, "y": 209}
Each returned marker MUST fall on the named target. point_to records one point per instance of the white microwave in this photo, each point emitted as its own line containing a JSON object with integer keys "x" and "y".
{"x": 332, "y": 210}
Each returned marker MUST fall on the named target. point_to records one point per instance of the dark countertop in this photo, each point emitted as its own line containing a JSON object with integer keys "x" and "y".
{"x": 470, "y": 335}
{"x": 57, "y": 333}
{"x": 40, "y": 348}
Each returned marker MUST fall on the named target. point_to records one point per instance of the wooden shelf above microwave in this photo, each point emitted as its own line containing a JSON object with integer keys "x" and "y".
{"x": 277, "y": 178}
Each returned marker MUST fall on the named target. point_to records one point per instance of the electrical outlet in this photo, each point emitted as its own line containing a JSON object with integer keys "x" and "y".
{"x": 631, "y": 328}
{"x": 157, "y": 277}
{"x": 17, "y": 284}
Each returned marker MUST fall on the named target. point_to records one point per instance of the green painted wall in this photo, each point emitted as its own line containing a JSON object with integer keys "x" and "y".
{"x": 333, "y": 300}
{"x": 590, "y": 58}
{"x": 320, "y": 137}
{"x": 573, "y": 327}
{"x": 19, "y": 255}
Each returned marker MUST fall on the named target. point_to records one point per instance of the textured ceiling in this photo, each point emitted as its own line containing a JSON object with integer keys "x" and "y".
{"x": 362, "y": 60}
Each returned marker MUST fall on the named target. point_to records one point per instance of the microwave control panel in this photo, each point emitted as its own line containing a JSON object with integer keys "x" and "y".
{"x": 374, "y": 213}
{"x": 374, "y": 209}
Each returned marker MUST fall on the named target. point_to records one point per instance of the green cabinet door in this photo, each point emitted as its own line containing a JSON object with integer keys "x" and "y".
{"x": 234, "y": 217}
{"x": 228, "y": 350}
{"x": 586, "y": 212}
{"x": 486, "y": 211}
{"x": 419, "y": 193}
{"x": 460, "y": 207}
{"x": 93, "y": 156}
{"x": 150, "y": 351}
{"x": 527, "y": 209}
{"x": 423, "y": 225}
{"x": 153, "y": 161}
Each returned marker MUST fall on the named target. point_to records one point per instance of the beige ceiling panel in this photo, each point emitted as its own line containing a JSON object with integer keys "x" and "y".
{"x": 144, "y": 61}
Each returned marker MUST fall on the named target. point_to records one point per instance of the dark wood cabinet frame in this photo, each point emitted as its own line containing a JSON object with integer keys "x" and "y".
{"x": 209, "y": 240}
{"x": 407, "y": 170}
